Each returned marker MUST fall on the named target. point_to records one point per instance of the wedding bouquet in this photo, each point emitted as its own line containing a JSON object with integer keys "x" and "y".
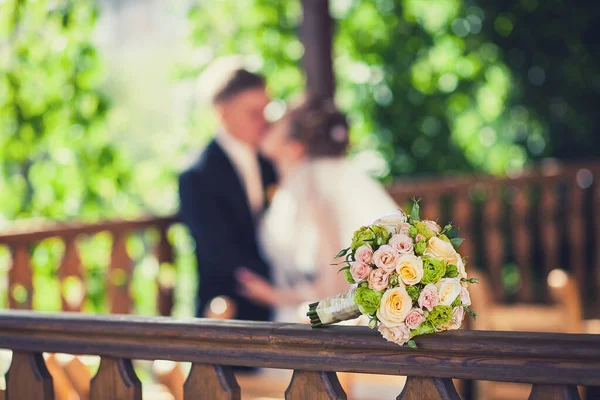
{"x": 407, "y": 278}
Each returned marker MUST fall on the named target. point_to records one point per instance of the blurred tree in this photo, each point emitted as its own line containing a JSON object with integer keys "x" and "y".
{"x": 56, "y": 160}
{"x": 553, "y": 50}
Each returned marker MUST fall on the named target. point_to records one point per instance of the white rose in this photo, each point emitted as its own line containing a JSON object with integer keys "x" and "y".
{"x": 462, "y": 271}
{"x": 410, "y": 269}
{"x": 448, "y": 290}
{"x": 392, "y": 223}
{"x": 394, "y": 307}
{"x": 442, "y": 250}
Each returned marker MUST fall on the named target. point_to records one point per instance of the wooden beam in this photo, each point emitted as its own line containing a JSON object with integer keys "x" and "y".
{"x": 316, "y": 34}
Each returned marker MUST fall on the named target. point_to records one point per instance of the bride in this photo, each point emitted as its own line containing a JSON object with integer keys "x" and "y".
{"x": 322, "y": 200}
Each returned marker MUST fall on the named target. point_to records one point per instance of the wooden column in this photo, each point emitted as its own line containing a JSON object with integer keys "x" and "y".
{"x": 316, "y": 34}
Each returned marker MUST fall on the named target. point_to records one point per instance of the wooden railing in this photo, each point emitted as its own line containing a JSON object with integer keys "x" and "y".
{"x": 555, "y": 364}
{"x": 21, "y": 238}
{"x": 517, "y": 229}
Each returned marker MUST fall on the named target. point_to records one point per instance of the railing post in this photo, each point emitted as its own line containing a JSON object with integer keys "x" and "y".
{"x": 212, "y": 382}
{"x": 28, "y": 378}
{"x": 20, "y": 285}
{"x": 417, "y": 388}
{"x": 164, "y": 256}
{"x": 554, "y": 392}
{"x": 71, "y": 277}
{"x": 314, "y": 385}
{"x": 116, "y": 380}
{"x": 119, "y": 275}
{"x": 493, "y": 239}
{"x": 522, "y": 242}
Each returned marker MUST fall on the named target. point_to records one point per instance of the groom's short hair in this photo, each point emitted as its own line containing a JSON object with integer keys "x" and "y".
{"x": 235, "y": 82}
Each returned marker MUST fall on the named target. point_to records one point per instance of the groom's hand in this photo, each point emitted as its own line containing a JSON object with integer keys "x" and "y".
{"x": 255, "y": 287}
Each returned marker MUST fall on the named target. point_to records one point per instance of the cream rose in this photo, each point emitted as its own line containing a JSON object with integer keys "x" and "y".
{"x": 462, "y": 271}
{"x": 364, "y": 254}
{"x": 402, "y": 243}
{"x": 394, "y": 307}
{"x": 433, "y": 226}
{"x": 379, "y": 279}
{"x": 465, "y": 296}
{"x": 448, "y": 290}
{"x": 442, "y": 250}
{"x": 397, "y": 334}
{"x": 360, "y": 271}
{"x": 458, "y": 315}
{"x": 385, "y": 258}
{"x": 410, "y": 269}
{"x": 392, "y": 223}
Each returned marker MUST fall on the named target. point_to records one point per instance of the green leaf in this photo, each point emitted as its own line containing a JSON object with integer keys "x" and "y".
{"x": 470, "y": 312}
{"x": 414, "y": 214}
{"x": 342, "y": 253}
{"x": 450, "y": 233}
{"x": 456, "y": 242}
{"x": 344, "y": 268}
{"x": 412, "y": 344}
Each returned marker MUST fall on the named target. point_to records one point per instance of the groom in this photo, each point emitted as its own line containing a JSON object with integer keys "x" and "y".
{"x": 224, "y": 192}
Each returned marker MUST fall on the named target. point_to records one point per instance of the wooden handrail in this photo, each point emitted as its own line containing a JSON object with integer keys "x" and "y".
{"x": 540, "y": 358}
{"x": 29, "y": 232}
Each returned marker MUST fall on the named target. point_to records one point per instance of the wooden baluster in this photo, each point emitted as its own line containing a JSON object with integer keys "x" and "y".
{"x": 462, "y": 218}
{"x": 493, "y": 240}
{"x": 576, "y": 237}
{"x": 71, "y": 277}
{"x": 431, "y": 208}
{"x": 522, "y": 243}
{"x": 554, "y": 392}
{"x": 164, "y": 255}
{"x": 119, "y": 276}
{"x": 549, "y": 232}
{"x": 20, "y": 279}
{"x": 213, "y": 382}
{"x": 314, "y": 385}
{"x": 417, "y": 388}
{"x": 116, "y": 380}
{"x": 28, "y": 378}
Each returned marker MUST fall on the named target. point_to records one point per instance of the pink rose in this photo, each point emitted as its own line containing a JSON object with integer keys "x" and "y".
{"x": 419, "y": 237}
{"x": 360, "y": 271}
{"x": 397, "y": 334}
{"x": 364, "y": 254}
{"x": 465, "y": 297}
{"x": 429, "y": 297}
{"x": 378, "y": 279}
{"x": 404, "y": 227}
{"x": 402, "y": 243}
{"x": 415, "y": 318}
{"x": 385, "y": 258}
{"x": 433, "y": 226}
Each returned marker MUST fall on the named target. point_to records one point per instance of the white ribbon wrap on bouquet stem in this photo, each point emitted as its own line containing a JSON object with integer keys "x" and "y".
{"x": 338, "y": 308}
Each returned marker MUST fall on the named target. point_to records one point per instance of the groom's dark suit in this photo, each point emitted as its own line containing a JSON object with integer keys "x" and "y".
{"x": 214, "y": 206}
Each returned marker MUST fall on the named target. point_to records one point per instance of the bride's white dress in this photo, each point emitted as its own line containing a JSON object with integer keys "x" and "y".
{"x": 312, "y": 216}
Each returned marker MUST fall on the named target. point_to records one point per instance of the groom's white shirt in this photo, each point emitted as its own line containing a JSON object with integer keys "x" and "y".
{"x": 245, "y": 161}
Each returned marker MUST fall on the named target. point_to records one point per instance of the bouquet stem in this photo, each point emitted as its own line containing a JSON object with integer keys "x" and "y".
{"x": 333, "y": 309}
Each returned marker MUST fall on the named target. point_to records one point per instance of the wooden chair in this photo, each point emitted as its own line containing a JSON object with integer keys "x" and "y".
{"x": 564, "y": 315}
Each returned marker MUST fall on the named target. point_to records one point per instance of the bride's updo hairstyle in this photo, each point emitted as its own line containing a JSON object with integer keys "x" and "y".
{"x": 319, "y": 126}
